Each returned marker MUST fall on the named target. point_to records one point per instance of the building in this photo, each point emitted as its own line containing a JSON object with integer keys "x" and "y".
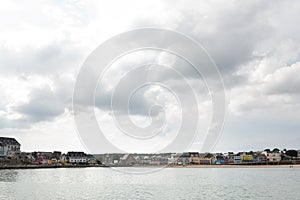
{"x": 128, "y": 160}
{"x": 107, "y": 159}
{"x": 158, "y": 160}
{"x": 191, "y": 158}
{"x": 200, "y": 158}
{"x": 76, "y": 157}
{"x": 220, "y": 159}
{"x": 179, "y": 159}
{"x": 44, "y": 157}
{"x": 9, "y": 146}
{"x": 229, "y": 158}
{"x": 206, "y": 159}
{"x": 194, "y": 158}
{"x": 262, "y": 158}
{"x": 56, "y": 155}
{"x": 144, "y": 160}
{"x": 24, "y": 158}
{"x": 91, "y": 159}
{"x": 247, "y": 158}
{"x": 237, "y": 159}
{"x": 272, "y": 156}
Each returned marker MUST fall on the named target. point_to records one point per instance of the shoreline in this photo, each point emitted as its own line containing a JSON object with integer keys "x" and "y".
{"x": 47, "y": 166}
{"x": 216, "y": 166}
{"x": 179, "y": 167}
{"x": 238, "y": 166}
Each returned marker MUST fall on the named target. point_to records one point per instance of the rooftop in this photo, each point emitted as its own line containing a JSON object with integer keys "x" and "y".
{"x": 9, "y": 141}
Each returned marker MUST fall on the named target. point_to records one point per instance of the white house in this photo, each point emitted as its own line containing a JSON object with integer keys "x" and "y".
{"x": 272, "y": 156}
{"x": 9, "y": 146}
{"x": 237, "y": 159}
{"x": 76, "y": 157}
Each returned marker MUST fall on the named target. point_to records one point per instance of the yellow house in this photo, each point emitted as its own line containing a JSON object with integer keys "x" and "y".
{"x": 247, "y": 157}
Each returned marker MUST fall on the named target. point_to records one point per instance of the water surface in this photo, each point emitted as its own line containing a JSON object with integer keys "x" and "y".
{"x": 171, "y": 183}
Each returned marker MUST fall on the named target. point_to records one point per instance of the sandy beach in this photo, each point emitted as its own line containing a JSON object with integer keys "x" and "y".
{"x": 238, "y": 166}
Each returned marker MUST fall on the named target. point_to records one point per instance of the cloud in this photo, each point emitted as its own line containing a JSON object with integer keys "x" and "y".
{"x": 255, "y": 44}
{"x": 284, "y": 80}
{"x": 30, "y": 99}
{"x": 44, "y": 104}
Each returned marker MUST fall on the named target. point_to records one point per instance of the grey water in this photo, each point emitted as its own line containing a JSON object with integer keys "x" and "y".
{"x": 170, "y": 183}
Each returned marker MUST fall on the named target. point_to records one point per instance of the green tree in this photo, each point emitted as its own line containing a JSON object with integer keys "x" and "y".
{"x": 267, "y": 150}
{"x": 98, "y": 162}
{"x": 276, "y": 150}
{"x": 291, "y": 153}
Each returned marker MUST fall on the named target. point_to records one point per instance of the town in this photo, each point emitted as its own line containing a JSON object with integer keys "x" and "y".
{"x": 11, "y": 155}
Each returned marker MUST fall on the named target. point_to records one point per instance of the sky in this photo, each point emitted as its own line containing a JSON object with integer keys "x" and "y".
{"x": 255, "y": 45}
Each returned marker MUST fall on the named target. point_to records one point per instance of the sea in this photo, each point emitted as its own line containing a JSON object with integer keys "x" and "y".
{"x": 168, "y": 183}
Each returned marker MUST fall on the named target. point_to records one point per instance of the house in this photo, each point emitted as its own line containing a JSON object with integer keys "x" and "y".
{"x": 173, "y": 160}
{"x": 144, "y": 160}
{"x": 206, "y": 159}
{"x": 155, "y": 161}
{"x": 262, "y": 158}
{"x": 229, "y": 158}
{"x": 219, "y": 159}
{"x": 24, "y": 158}
{"x": 44, "y": 157}
{"x": 255, "y": 158}
{"x": 9, "y": 146}
{"x": 107, "y": 159}
{"x": 76, "y": 157}
{"x": 1, "y": 149}
{"x": 272, "y": 156}
{"x": 194, "y": 158}
{"x": 237, "y": 159}
{"x": 247, "y": 158}
{"x": 91, "y": 159}
{"x": 179, "y": 159}
{"x": 56, "y": 155}
{"x": 184, "y": 158}
{"x": 128, "y": 160}
{"x": 158, "y": 160}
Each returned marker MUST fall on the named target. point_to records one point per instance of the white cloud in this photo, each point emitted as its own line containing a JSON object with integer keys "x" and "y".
{"x": 256, "y": 46}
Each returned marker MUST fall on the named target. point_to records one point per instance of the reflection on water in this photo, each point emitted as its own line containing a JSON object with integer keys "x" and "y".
{"x": 8, "y": 175}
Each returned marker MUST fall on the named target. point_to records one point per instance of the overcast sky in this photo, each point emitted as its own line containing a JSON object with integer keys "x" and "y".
{"x": 255, "y": 44}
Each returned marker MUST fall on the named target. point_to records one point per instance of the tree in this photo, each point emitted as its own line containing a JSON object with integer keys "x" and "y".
{"x": 291, "y": 153}
{"x": 98, "y": 162}
{"x": 267, "y": 150}
{"x": 276, "y": 150}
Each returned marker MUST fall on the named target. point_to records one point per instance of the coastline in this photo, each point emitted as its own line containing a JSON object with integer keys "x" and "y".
{"x": 238, "y": 166}
{"x": 216, "y": 166}
{"x": 47, "y": 166}
{"x": 188, "y": 166}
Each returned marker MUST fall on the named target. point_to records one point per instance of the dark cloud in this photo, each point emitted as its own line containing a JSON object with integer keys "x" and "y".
{"x": 238, "y": 36}
{"x": 43, "y": 105}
